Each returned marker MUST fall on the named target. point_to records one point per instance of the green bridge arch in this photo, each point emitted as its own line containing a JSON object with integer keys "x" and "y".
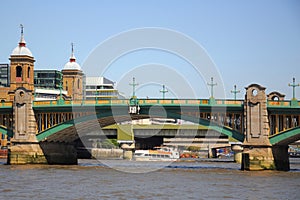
{"x": 109, "y": 118}
{"x": 286, "y": 137}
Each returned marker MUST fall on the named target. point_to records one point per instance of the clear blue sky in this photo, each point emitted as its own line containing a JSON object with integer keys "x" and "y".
{"x": 249, "y": 41}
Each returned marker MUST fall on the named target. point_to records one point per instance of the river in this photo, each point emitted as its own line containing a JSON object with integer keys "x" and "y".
{"x": 121, "y": 179}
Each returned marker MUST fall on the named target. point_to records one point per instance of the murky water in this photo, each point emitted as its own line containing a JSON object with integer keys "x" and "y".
{"x": 180, "y": 180}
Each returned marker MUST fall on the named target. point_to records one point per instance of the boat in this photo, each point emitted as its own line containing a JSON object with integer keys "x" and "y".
{"x": 158, "y": 154}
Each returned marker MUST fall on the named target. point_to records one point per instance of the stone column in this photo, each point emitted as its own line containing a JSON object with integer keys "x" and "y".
{"x": 24, "y": 148}
{"x": 257, "y": 153}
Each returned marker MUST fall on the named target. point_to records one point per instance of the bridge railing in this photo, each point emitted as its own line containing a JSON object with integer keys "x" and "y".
{"x": 6, "y": 104}
{"x": 9, "y": 104}
{"x": 283, "y": 103}
{"x": 205, "y": 102}
{"x": 189, "y": 102}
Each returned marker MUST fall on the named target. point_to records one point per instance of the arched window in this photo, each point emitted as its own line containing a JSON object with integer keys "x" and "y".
{"x": 78, "y": 84}
{"x": 19, "y": 71}
{"x": 28, "y": 72}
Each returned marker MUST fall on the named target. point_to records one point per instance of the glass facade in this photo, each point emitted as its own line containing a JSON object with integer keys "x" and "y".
{"x": 4, "y": 75}
{"x": 47, "y": 78}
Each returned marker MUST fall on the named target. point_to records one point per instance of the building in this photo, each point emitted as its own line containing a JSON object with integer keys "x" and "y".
{"x": 4, "y": 75}
{"x": 46, "y": 94}
{"x": 47, "y": 85}
{"x": 47, "y": 79}
{"x": 100, "y": 88}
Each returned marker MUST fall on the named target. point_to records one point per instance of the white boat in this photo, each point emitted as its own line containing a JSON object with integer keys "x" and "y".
{"x": 159, "y": 154}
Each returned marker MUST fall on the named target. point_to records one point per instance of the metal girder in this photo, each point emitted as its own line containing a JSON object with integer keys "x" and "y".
{"x": 286, "y": 137}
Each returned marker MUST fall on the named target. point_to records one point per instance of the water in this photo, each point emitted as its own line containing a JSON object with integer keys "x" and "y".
{"x": 180, "y": 180}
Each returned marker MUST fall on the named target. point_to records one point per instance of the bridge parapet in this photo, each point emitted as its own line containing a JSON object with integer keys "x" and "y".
{"x": 283, "y": 104}
{"x": 270, "y": 103}
{"x": 165, "y": 102}
{"x": 6, "y": 104}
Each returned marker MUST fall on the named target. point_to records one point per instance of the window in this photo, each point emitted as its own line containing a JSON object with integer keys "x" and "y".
{"x": 19, "y": 71}
{"x": 28, "y": 72}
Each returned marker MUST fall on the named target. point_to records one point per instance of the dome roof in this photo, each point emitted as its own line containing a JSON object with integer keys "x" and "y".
{"x": 21, "y": 51}
{"x": 72, "y": 64}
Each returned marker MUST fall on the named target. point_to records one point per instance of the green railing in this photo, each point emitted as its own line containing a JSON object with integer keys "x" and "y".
{"x": 283, "y": 104}
{"x": 192, "y": 102}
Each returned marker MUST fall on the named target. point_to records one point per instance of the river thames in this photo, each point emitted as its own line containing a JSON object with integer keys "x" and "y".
{"x": 113, "y": 179}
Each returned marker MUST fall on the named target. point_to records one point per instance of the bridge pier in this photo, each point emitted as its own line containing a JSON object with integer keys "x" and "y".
{"x": 257, "y": 158}
{"x": 128, "y": 149}
{"x": 42, "y": 153}
{"x": 25, "y": 153}
{"x": 281, "y": 157}
{"x": 257, "y": 149}
{"x": 25, "y": 149}
{"x": 237, "y": 149}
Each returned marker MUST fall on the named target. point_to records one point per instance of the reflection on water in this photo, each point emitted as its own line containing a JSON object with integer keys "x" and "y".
{"x": 179, "y": 180}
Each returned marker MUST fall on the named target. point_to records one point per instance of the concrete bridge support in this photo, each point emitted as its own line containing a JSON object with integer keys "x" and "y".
{"x": 257, "y": 150}
{"x": 281, "y": 158}
{"x": 25, "y": 149}
{"x": 128, "y": 150}
{"x": 258, "y": 153}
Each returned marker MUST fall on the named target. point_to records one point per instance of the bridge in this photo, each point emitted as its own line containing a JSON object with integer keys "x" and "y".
{"x": 265, "y": 124}
{"x": 45, "y": 131}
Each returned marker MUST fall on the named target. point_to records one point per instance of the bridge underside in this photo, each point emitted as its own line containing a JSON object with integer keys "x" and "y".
{"x": 81, "y": 127}
{"x": 77, "y": 128}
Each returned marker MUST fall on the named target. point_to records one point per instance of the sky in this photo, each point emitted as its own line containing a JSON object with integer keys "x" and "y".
{"x": 246, "y": 42}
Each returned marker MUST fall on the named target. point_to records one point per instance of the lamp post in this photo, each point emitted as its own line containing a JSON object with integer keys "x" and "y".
{"x": 294, "y": 85}
{"x": 235, "y": 92}
{"x": 212, "y": 85}
{"x": 133, "y": 84}
{"x": 164, "y": 91}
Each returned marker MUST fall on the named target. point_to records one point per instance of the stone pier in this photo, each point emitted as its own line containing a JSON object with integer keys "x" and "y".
{"x": 25, "y": 149}
{"x": 128, "y": 149}
{"x": 257, "y": 150}
{"x": 258, "y": 153}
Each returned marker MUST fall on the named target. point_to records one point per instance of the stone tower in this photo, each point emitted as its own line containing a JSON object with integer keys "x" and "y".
{"x": 73, "y": 78}
{"x": 21, "y": 92}
{"x": 24, "y": 145}
{"x": 21, "y": 68}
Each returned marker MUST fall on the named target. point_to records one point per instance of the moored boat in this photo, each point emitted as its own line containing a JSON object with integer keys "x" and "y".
{"x": 158, "y": 154}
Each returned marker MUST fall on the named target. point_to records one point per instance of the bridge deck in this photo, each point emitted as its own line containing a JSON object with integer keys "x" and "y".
{"x": 165, "y": 102}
